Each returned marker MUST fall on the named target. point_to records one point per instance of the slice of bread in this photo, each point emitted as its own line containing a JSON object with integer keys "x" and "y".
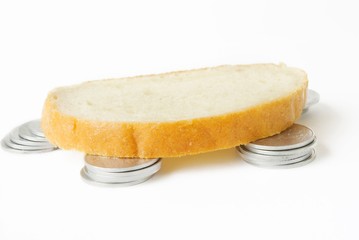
{"x": 175, "y": 114}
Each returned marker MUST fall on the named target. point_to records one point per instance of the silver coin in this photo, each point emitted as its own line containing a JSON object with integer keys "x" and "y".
{"x": 121, "y": 171}
{"x": 115, "y": 164}
{"x": 39, "y": 134}
{"x": 11, "y": 144}
{"x": 266, "y": 158}
{"x": 126, "y": 171}
{"x": 15, "y": 138}
{"x": 35, "y": 127}
{"x": 295, "y": 136}
{"x": 313, "y": 98}
{"x": 290, "y": 165}
{"x": 120, "y": 181}
{"x": 273, "y": 160}
{"x": 300, "y": 150}
{"x": 270, "y": 158}
{"x": 123, "y": 177}
{"x": 301, "y": 163}
{"x": 273, "y": 163}
{"x": 19, "y": 149}
{"x": 25, "y": 133}
{"x": 22, "y": 140}
{"x": 88, "y": 180}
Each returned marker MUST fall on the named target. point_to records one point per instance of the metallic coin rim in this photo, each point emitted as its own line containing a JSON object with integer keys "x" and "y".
{"x": 261, "y": 157}
{"x": 10, "y": 144}
{"x": 301, "y": 163}
{"x": 35, "y": 127}
{"x": 277, "y": 162}
{"x": 291, "y": 165}
{"x": 313, "y": 97}
{"x": 141, "y": 171}
{"x": 14, "y": 150}
{"x": 137, "y": 167}
{"x": 122, "y": 177}
{"x": 25, "y": 133}
{"x": 283, "y": 147}
{"x": 274, "y": 161}
{"x": 90, "y": 181}
{"x": 16, "y": 139}
{"x": 282, "y": 152}
{"x": 117, "y": 178}
{"x": 38, "y": 134}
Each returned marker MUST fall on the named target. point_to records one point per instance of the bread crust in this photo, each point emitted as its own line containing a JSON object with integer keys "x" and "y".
{"x": 171, "y": 139}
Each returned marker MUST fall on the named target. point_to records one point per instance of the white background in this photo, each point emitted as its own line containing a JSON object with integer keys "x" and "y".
{"x": 45, "y": 44}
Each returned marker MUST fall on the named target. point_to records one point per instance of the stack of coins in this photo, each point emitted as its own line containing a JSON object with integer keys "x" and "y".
{"x": 291, "y": 148}
{"x": 27, "y": 138}
{"x": 102, "y": 170}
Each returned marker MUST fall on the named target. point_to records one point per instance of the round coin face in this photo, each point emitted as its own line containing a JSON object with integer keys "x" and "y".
{"x": 295, "y": 136}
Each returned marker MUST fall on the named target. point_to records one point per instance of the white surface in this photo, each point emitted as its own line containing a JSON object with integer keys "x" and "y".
{"x": 216, "y": 195}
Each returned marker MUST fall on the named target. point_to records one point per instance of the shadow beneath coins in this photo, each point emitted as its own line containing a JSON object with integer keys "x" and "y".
{"x": 200, "y": 161}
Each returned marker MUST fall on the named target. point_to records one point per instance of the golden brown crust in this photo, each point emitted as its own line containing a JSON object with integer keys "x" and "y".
{"x": 171, "y": 139}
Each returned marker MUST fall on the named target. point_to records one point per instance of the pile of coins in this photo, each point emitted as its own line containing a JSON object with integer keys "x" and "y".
{"x": 27, "y": 138}
{"x": 291, "y": 148}
{"x": 101, "y": 170}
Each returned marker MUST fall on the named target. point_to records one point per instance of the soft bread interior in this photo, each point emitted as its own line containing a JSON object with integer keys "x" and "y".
{"x": 178, "y": 95}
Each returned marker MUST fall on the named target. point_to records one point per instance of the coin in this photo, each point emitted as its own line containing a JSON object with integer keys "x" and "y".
{"x": 89, "y": 180}
{"x": 313, "y": 98}
{"x": 27, "y": 138}
{"x": 265, "y": 158}
{"x": 115, "y": 164}
{"x": 103, "y": 170}
{"x": 122, "y": 177}
{"x": 301, "y": 163}
{"x": 9, "y": 143}
{"x": 15, "y": 138}
{"x": 307, "y": 160}
{"x": 25, "y": 133}
{"x": 35, "y": 128}
{"x": 295, "y": 136}
{"x": 299, "y": 150}
{"x": 6, "y": 145}
{"x": 293, "y": 147}
{"x": 273, "y": 161}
